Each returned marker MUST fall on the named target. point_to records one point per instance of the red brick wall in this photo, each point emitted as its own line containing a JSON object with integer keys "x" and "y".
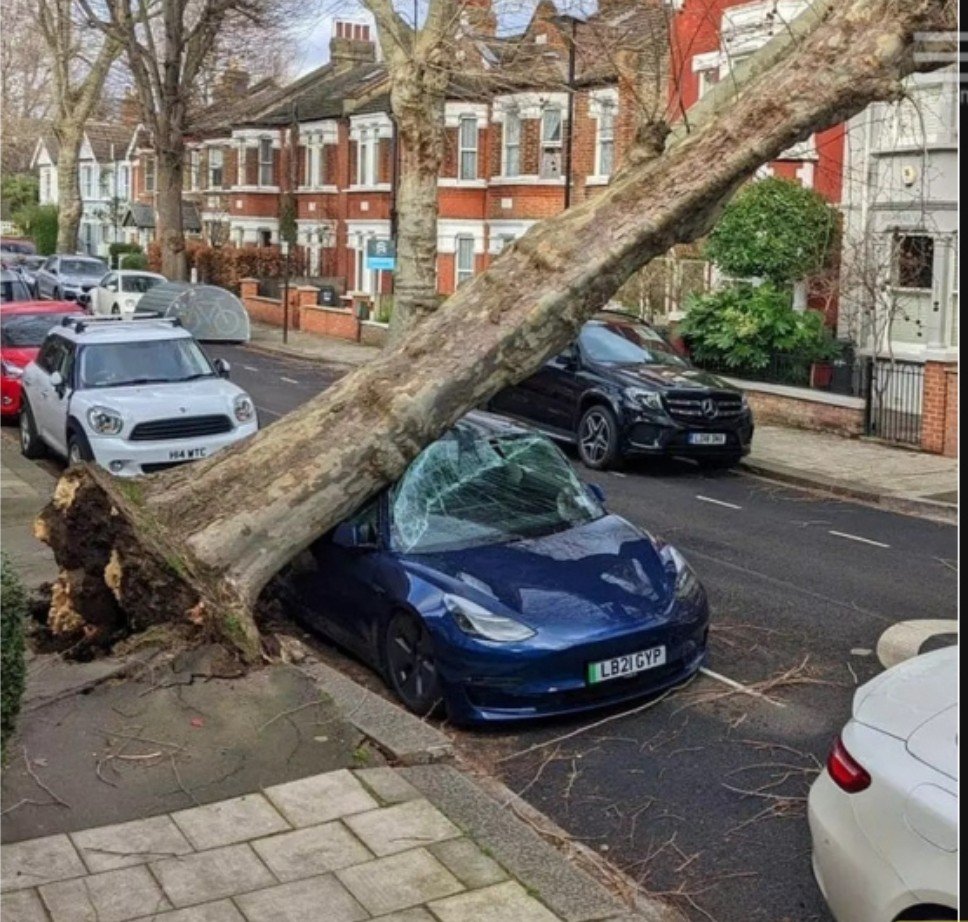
{"x": 776, "y": 410}
{"x": 330, "y": 322}
{"x": 939, "y": 410}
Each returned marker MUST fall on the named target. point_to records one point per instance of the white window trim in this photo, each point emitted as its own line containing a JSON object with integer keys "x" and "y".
{"x": 599, "y": 101}
{"x": 504, "y": 144}
{"x": 221, "y": 152}
{"x": 461, "y": 150}
{"x": 270, "y": 163}
{"x": 454, "y": 112}
{"x": 467, "y": 274}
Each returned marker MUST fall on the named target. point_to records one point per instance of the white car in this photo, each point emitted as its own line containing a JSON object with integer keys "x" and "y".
{"x": 119, "y": 292}
{"x": 135, "y": 396}
{"x": 884, "y": 814}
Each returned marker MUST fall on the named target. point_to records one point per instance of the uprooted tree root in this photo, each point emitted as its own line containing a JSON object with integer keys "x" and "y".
{"x": 124, "y": 572}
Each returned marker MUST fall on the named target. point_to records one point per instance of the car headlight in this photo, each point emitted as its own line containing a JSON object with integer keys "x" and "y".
{"x": 687, "y": 585}
{"x": 105, "y": 421}
{"x": 129, "y": 303}
{"x": 10, "y": 370}
{"x": 744, "y": 403}
{"x": 244, "y": 408}
{"x": 477, "y": 621}
{"x": 641, "y": 397}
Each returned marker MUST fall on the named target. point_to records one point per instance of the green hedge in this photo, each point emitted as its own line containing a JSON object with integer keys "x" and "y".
{"x": 137, "y": 259}
{"x": 13, "y": 618}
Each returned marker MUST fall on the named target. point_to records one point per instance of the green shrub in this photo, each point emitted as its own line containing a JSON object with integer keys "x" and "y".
{"x": 39, "y": 222}
{"x": 742, "y": 327}
{"x": 774, "y": 229}
{"x": 13, "y": 617}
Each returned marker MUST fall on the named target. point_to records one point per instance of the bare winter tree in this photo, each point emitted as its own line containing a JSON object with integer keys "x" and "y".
{"x": 77, "y": 82}
{"x": 196, "y": 546}
{"x": 25, "y": 67}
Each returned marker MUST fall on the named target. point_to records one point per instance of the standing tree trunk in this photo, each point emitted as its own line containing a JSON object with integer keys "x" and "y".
{"x": 198, "y": 544}
{"x": 69, "y": 136}
{"x": 417, "y": 101}
{"x": 168, "y": 205}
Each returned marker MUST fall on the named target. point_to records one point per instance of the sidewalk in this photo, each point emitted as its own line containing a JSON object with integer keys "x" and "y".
{"x": 268, "y": 338}
{"x": 905, "y": 481}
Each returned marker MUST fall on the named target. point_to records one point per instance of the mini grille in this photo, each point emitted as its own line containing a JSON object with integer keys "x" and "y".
{"x": 183, "y": 427}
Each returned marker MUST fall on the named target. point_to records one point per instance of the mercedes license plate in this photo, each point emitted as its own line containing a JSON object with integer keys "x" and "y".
{"x": 628, "y": 664}
{"x": 707, "y": 438}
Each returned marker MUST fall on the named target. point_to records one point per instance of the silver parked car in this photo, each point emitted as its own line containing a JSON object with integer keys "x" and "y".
{"x": 64, "y": 277}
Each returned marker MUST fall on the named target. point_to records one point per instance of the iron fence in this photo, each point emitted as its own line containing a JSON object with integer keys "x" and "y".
{"x": 845, "y": 375}
{"x": 895, "y": 397}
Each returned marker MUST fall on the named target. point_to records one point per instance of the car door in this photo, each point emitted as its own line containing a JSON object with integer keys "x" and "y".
{"x": 41, "y": 394}
{"x": 101, "y": 301}
{"x": 43, "y": 278}
{"x": 347, "y": 592}
{"x": 550, "y": 395}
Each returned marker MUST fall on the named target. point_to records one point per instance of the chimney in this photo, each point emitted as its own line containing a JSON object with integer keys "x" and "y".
{"x": 231, "y": 86}
{"x": 351, "y": 44}
{"x": 478, "y": 16}
{"x": 130, "y": 108}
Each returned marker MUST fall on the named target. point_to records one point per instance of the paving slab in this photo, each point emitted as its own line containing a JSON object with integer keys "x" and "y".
{"x": 401, "y": 827}
{"x": 500, "y": 903}
{"x": 468, "y": 863}
{"x": 417, "y": 914}
{"x": 229, "y": 821}
{"x": 114, "y": 896}
{"x": 220, "y": 911}
{"x": 399, "y": 882}
{"x": 40, "y": 861}
{"x": 320, "y": 798}
{"x": 22, "y": 906}
{"x": 311, "y": 851}
{"x": 302, "y": 900}
{"x": 386, "y": 785}
{"x": 124, "y": 844}
{"x": 211, "y": 875}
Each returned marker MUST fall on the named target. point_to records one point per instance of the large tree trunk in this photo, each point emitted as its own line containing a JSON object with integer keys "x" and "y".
{"x": 168, "y": 208}
{"x": 417, "y": 101}
{"x": 69, "y": 134}
{"x": 198, "y": 544}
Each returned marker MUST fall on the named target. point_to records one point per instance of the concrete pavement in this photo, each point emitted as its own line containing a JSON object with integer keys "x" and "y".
{"x": 24, "y": 489}
{"x": 333, "y": 351}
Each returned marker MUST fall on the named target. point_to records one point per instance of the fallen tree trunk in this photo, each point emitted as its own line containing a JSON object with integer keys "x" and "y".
{"x": 198, "y": 544}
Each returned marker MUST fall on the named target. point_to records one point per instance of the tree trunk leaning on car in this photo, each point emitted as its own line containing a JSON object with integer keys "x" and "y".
{"x": 195, "y": 546}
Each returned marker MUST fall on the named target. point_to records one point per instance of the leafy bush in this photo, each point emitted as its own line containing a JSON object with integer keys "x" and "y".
{"x": 774, "y": 229}
{"x": 13, "y": 616}
{"x": 18, "y": 190}
{"x": 115, "y": 248}
{"x": 227, "y": 265}
{"x": 39, "y": 222}
{"x": 743, "y": 327}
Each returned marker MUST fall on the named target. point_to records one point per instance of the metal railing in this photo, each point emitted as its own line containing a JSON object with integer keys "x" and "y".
{"x": 894, "y": 400}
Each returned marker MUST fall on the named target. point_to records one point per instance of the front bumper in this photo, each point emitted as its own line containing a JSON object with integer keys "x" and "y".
{"x": 11, "y": 396}
{"x": 489, "y": 685}
{"x": 647, "y": 434}
{"x": 137, "y": 458}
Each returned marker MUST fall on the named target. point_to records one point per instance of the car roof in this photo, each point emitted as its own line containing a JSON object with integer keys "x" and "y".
{"x": 38, "y": 307}
{"x": 129, "y": 272}
{"x": 614, "y": 315}
{"x": 110, "y": 330}
{"x": 484, "y": 425}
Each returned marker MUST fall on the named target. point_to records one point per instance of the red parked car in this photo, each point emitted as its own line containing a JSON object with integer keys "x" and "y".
{"x": 23, "y": 327}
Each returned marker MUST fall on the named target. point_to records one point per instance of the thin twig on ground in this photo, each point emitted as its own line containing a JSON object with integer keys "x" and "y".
{"x": 37, "y": 780}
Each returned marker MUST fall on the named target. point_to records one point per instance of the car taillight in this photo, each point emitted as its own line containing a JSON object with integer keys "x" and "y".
{"x": 847, "y": 772}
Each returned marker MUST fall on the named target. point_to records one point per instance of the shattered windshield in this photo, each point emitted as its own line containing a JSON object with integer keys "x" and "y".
{"x": 467, "y": 490}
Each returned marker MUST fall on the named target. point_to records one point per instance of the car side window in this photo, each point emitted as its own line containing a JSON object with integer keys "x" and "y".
{"x": 369, "y": 516}
{"x": 50, "y": 355}
{"x": 49, "y": 265}
{"x": 110, "y": 281}
{"x": 66, "y": 363}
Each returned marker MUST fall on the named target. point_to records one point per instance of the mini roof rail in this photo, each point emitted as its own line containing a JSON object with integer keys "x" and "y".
{"x": 80, "y": 324}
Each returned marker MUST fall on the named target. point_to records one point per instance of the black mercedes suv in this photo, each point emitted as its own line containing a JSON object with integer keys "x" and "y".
{"x": 623, "y": 390}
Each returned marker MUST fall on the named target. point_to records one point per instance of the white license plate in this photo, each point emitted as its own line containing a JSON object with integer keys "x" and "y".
{"x": 626, "y": 665}
{"x": 707, "y": 438}
{"x": 187, "y": 454}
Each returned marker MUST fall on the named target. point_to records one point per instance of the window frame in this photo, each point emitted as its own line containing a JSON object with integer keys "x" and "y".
{"x": 149, "y": 172}
{"x": 606, "y": 116}
{"x": 898, "y": 268}
{"x": 511, "y": 144}
{"x": 463, "y": 275}
{"x": 212, "y": 152}
{"x": 549, "y": 147}
{"x": 463, "y": 150}
{"x": 87, "y": 181}
{"x": 266, "y": 163}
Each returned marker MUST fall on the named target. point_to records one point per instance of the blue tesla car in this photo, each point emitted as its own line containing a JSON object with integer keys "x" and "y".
{"x": 490, "y": 581}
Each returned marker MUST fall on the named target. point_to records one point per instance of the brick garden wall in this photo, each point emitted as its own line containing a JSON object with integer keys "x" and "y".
{"x": 939, "y": 411}
{"x": 773, "y": 409}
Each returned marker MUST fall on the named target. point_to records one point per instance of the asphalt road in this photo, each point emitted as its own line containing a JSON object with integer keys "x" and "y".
{"x": 701, "y": 795}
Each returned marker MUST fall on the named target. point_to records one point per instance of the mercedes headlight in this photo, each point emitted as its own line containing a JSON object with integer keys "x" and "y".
{"x": 744, "y": 403}
{"x": 105, "y": 421}
{"x": 477, "y": 621}
{"x": 648, "y": 400}
{"x": 244, "y": 408}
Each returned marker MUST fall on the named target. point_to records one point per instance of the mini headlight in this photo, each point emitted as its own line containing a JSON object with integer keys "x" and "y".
{"x": 477, "y": 621}
{"x": 10, "y": 370}
{"x": 639, "y": 396}
{"x": 105, "y": 421}
{"x": 244, "y": 408}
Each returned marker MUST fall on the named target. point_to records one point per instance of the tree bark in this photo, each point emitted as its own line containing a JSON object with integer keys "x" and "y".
{"x": 69, "y": 135}
{"x": 417, "y": 101}
{"x": 168, "y": 206}
{"x": 198, "y": 544}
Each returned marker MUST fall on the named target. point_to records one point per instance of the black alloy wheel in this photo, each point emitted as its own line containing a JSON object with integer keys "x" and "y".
{"x": 410, "y": 667}
{"x": 598, "y": 438}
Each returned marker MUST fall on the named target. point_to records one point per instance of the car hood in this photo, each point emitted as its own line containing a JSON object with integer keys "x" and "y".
{"x": 676, "y": 376}
{"x": 145, "y": 402}
{"x": 906, "y": 697}
{"x": 80, "y": 279}
{"x": 600, "y": 576}
{"x": 21, "y": 356}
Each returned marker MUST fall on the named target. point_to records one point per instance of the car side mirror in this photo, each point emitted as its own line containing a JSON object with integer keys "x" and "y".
{"x": 596, "y": 492}
{"x": 359, "y": 536}
{"x": 571, "y": 358}
{"x": 222, "y": 368}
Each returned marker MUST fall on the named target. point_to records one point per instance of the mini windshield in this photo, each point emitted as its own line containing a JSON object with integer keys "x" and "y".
{"x": 13, "y": 289}
{"x": 138, "y": 284}
{"x": 82, "y": 267}
{"x": 466, "y": 490}
{"x": 154, "y": 361}
{"x": 626, "y": 344}
{"x": 28, "y": 331}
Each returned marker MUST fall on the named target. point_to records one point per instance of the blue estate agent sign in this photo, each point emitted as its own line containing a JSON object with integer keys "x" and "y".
{"x": 380, "y": 254}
